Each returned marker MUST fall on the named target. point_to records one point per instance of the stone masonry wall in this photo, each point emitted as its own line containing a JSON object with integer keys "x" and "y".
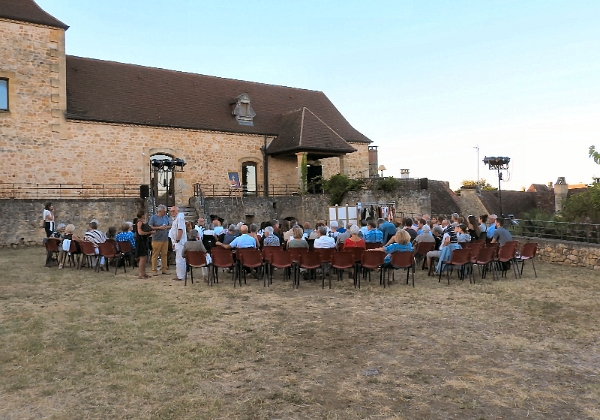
{"x": 21, "y": 220}
{"x": 33, "y": 61}
{"x": 574, "y": 254}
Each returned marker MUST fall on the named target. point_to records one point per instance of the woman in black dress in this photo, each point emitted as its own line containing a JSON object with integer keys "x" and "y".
{"x": 142, "y": 231}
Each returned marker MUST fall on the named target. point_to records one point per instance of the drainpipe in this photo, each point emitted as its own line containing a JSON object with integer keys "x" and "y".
{"x": 265, "y": 167}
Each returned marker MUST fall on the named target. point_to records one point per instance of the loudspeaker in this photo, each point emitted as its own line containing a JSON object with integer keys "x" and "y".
{"x": 144, "y": 191}
{"x": 424, "y": 183}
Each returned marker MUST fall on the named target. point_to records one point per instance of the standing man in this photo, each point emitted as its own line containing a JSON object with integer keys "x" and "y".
{"x": 179, "y": 238}
{"x": 160, "y": 240}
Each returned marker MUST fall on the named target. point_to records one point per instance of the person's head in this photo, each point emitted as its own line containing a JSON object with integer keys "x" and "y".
{"x": 174, "y": 211}
{"x": 334, "y": 225}
{"x": 112, "y": 232}
{"x": 363, "y": 222}
{"x": 285, "y": 225}
{"x": 243, "y": 229}
{"x": 444, "y": 223}
{"x": 231, "y": 229}
{"x": 462, "y": 220}
{"x": 93, "y": 224}
{"x": 161, "y": 210}
{"x": 402, "y": 237}
{"x": 483, "y": 218}
{"x": 188, "y": 226}
{"x": 460, "y": 228}
{"x": 306, "y": 226}
{"x": 70, "y": 229}
{"x": 454, "y": 217}
{"x": 420, "y": 223}
{"x": 48, "y": 206}
{"x": 407, "y": 222}
{"x": 492, "y": 218}
{"x": 297, "y": 232}
{"x": 275, "y": 223}
{"x": 192, "y": 235}
{"x": 322, "y": 231}
{"x": 130, "y": 225}
{"x": 141, "y": 215}
{"x": 426, "y": 229}
{"x": 434, "y": 220}
{"x": 253, "y": 228}
{"x": 380, "y": 221}
{"x": 371, "y": 225}
{"x": 499, "y": 222}
{"x": 61, "y": 227}
{"x": 269, "y": 231}
{"x": 472, "y": 221}
{"x": 125, "y": 227}
{"x": 201, "y": 221}
{"x": 437, "y": 231}
{"x": 354, "y": 230}
{"x": 426, "y": 217}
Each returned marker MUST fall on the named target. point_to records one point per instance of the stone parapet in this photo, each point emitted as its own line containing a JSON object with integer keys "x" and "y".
{"x": 574, "y": 254}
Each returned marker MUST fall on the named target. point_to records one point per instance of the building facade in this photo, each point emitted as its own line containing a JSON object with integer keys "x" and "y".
{"x": 72, "y": 120}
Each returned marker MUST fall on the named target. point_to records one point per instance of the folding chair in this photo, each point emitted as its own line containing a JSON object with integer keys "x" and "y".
{"x": 222, "y": 258}
{"x": 528, "y": 252}
{"x": 405, "y": 260}
{"x": 310, "y": 261}
{"x": 341, "y": 261}
{"x": 460, "y": 258}
{"x": 195, "y": 259}
{"x": 108, "y": 250}
{"x": 369, "y": 261}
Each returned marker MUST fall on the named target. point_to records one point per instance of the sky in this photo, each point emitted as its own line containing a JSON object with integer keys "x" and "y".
{"x": 436, "y": 85}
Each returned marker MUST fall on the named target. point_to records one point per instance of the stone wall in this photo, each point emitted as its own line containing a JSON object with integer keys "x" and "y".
{"x": 574, "y": 254}
{"x": 21, "y": 220}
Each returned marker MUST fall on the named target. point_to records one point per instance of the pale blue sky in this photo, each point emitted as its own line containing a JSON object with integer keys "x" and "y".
{"x": 426, "y": 81}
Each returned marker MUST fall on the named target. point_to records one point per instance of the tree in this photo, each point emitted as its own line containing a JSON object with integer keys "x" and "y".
{"x": 583, "y": 207}
{"x": 594, "y": 154}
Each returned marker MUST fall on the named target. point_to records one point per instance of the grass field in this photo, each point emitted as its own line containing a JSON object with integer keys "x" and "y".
{"x": 79, "y": 344}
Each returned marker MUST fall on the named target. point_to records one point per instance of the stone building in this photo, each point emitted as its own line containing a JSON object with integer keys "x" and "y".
{"x": 73, "y": 120}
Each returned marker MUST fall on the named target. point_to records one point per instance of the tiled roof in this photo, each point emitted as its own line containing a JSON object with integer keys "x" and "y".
{"x": 28, "y": 11}
{"x": 303, "y": 131}
{"x": 107, "y": 91}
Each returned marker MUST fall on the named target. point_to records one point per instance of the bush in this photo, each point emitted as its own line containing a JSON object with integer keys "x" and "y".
{"x": 338, "y": 185}
{"x": 583, "y": 207}
{"x": 388, "y": 184}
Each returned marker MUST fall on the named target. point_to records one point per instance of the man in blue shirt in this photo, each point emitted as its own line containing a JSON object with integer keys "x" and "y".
{"x": 373, "y": 235}
{"x": 387, "y": 229}
{"x": 242, "y": 241}
{"x": 490, "y": 232}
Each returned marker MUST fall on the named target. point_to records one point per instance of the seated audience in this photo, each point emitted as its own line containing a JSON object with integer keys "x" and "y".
{"x": 324, "y": 241}
{"x": 501, "y": 234}
{"x": 373, "y": 235}
{"x": 269, "y": 238}
{"x": 401, "y": 244}
{"x": 297, "y": 240}
{"x": 242, "y": 241}
{"x": 354, "y": 241}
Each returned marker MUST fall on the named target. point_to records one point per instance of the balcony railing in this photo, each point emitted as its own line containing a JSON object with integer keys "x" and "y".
{"x": 577, "y": 232}
{"x": 54, "y": 191}
{"x": 220, "y": 190}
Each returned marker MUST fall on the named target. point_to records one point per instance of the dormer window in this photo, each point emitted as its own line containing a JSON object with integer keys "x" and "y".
{"x": 242, "y": 110}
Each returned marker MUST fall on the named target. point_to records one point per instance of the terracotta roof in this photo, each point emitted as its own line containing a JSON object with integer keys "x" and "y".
{"x": 303, "y": 131}
{"x": 28, "y": 11}
{"x": 107, "y": 91}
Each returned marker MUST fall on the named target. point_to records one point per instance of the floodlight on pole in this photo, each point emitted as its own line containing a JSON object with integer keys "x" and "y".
{"x": 498, "y": 164}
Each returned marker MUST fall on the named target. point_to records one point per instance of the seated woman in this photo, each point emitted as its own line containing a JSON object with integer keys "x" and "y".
{"x": 462, "y": 235}
{"x": 354, "y": 241}
{"x": 401, "y": 244}
{"x": 69, "y": 234}
{"x": 297, "y": 240}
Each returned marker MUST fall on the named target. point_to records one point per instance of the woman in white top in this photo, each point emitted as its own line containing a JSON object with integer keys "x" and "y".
{"x": 48, "y": 217}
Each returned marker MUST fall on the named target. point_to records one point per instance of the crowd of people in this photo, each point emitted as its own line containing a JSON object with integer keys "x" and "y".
{"x": 162, "y": 233}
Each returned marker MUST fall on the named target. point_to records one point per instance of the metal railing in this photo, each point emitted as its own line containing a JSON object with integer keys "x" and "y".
{"x": 54, "y": 191}
{"x": 223, "y": 190}
{"x": 576, "y": 232}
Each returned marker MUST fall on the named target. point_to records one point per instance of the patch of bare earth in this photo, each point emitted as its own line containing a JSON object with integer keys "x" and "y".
{"x": 79, "y": 344}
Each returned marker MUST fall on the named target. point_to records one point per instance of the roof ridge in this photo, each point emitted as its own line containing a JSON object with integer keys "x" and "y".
{"x": 190, "y": 73}
{"x": 301, "y": 126}
{"x": 324, "y": 123}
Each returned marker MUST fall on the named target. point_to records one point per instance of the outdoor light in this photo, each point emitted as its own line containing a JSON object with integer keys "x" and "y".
{"x": 498, "y": 164}
{"x": 179, "y": 163}
{"x": 381, "y": 168}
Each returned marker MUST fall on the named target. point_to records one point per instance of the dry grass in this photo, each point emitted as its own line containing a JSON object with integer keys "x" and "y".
{"x": 92, "y": 345}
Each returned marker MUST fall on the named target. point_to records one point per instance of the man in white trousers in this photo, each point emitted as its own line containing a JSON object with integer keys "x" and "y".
{"x": 178, "y": 238}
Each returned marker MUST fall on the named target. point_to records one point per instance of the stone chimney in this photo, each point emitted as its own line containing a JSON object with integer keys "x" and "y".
{"x": 561, "y": 188}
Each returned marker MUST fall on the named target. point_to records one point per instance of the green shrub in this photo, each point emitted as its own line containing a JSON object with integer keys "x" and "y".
{"x": 388, "y": 184}
{"x": 338, "y": 185}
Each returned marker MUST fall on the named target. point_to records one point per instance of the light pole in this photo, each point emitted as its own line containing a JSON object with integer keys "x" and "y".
{"x": 477, "y": 148}
{"x": 498, "y": 164}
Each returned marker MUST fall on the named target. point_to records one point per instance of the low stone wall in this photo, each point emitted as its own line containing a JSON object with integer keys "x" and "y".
{"x": 575, "y": 254}
{"x": 21, "y": 220}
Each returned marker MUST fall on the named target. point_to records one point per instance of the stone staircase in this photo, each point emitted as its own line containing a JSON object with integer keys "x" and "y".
{"x": 190, "y": 214}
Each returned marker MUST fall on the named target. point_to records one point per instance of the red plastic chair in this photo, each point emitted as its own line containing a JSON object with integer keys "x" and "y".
{"x": 528, "y": 252}
{"x": 371, "y": 260}
{"x": 51, "y": 245}
{"x": 373, "y": 245}
{"x": 126, "y": 250}
{"x": 281, "y": 259}
{"x": 422, "y": 249}
{"x": 507, "y": 254}
{"x": 341, "y": 261}
{"x": 403, "y": 260}
{"x": 89, "y": 253}
{"x": 460, "y": 258}
{"x": 310, "y": 261}
{"x": 251, "y": 259}
{"x": 222, "y": 258}
{"x": 484, "y": 261}
{"x": 195, "y": 259}
{"x": 108, "y": 250}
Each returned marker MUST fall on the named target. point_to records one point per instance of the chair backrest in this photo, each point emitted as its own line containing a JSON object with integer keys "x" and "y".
{"x": 340, "y": 246}
{"x": 466, "y": 245}
{"x": 311, "y": 244}
{"x": 52, "y": 244}
{"x": 358, "y": 253}
{"x": 108, "y": 249}
{"x": 373, "y": 245}
{"x": 460, "y": 257}
{"x": 281, "y": 258}
{"x": 295, "y": 253}
{"x": 485, "y": 255}
{"x": 529, "y": 250}
{"x": 475, "y": 247}
{"x": 325, "y": 254}
{"x": 251, "y": 257}
{"x": 241, "y": 252}
{"x": 125, "y": 247}
{"x": 221, "y": 257}
{"x": 87, "y": 248}
{"x": 267, "y": 251}
{"x": 342, "y": 259}
{"x": 74, "y": 248}
{"x": 372, "y": 259}
{"x": 310, "y": 259}
{"x": 403, "y": 259}
{"x": 507, "y": 251}
{"x": 195, "y": 258}
{"x": 424, "y": 247}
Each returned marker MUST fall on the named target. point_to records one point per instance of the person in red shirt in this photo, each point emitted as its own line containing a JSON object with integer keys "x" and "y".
{"x": 354, "y": 241}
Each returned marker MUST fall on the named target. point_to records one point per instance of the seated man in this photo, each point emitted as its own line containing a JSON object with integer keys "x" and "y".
{"x": 96, "y": 237}
{"x": 230, "y": 235}
{"x": 387, "y": 228}
{"x": 269, "y": 238}
{"x": 242, "y": 241}
{"x": 425, "y": 236}
{"x": 408, "y": 227}
{"x": 501, "y": 235}
{"x": 490, "y": 230}
{"x": 324, "y": 241}
{"x": 373, "y": 235}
